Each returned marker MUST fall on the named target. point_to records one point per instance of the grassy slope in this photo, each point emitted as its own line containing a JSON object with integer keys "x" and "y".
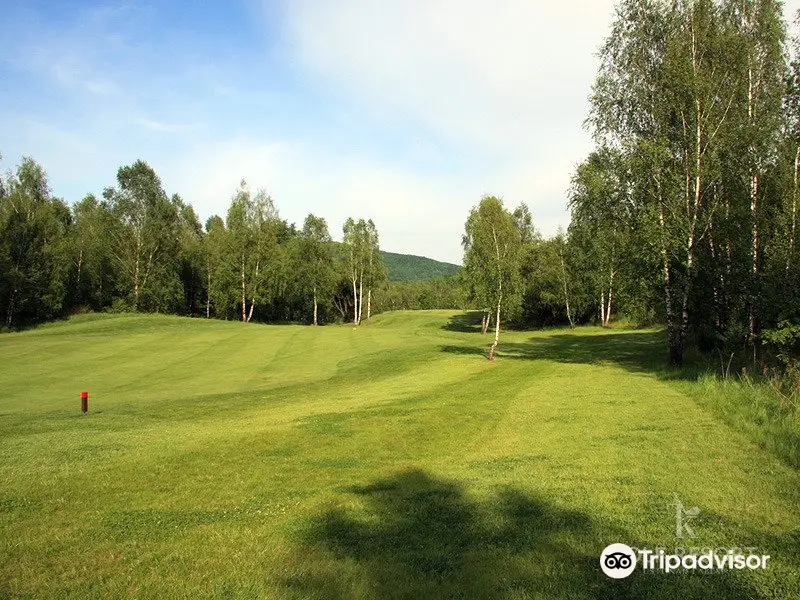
{"x": 388, "y": 461}
{"x": 407, "y": 267}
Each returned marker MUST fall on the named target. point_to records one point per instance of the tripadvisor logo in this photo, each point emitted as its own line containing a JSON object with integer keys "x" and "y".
{"x": 618, "y": 561}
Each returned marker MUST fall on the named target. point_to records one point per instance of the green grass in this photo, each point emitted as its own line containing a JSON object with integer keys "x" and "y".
{"x": 388, "y": 461}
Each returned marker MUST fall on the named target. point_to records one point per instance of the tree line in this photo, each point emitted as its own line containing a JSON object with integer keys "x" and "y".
{"x": 685, "y": 213}
{"x": 139, "y": 249}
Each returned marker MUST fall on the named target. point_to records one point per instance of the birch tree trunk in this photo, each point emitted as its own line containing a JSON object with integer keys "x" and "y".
{"x": 250, "y": 312}
{"x": 610, "y": 297}
{"x": 360, "y": 295}
{"x": 369, "y": 303}
{"x": 602, "y": 305}
{"x": 136, "y": 275}
{"x": 484, "y": 322}
{"x": 315, "y": 305}
{"x": 566, "y": 294}
{"x": 244, "y": 297}
{"x": 253, "y": 292}
{"x": 497, "y": 322}
{"x": 754, "y": 250}
{"x": 499, "y": 296}
{"x": 355, "y": 302}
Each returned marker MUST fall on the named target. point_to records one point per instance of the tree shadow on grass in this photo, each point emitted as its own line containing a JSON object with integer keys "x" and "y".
{"x": 639, "y": 351}
{"x": 466, "y": 322}
{"x": 414, "y": 535}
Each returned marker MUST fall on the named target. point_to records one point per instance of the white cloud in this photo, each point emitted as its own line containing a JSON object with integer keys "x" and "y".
{"x": 505, "y": 83}
{"x": 494, "y": 74}
{"x": 162, "y": 127}
{"x": 412, "y": 212}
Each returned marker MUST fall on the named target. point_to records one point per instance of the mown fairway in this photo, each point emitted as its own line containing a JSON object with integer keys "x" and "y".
{"x": 236, "y": 461}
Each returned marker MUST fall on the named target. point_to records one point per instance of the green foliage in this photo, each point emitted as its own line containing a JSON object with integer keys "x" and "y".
{"x": 34, "y": 255}
{"x": 407, "y": 267}
{"x": 443, "y": 293}
{"x": 695, "y": 176}
{"x": 492, "y": 244}
{"x": 785, "y": 338}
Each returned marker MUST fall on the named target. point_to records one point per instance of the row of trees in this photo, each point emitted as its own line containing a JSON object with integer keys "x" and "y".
{"x": 138, "y": 249}
{"x": 695, "y": 114}
{"x": 686, "y": 211}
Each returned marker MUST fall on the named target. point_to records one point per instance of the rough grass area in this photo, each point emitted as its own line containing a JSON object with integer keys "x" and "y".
{"x": 388, "y": 461}
{"x": 768, "y": 416}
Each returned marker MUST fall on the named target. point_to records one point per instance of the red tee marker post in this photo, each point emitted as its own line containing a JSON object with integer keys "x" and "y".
{"x": 84, "y": 402}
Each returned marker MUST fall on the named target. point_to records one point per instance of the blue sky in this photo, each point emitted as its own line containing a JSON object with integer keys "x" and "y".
{"x": 402, "y": 111}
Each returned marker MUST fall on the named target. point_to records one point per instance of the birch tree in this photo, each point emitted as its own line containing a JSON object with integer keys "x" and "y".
{"x": 492, "y": 243}
{"x": 356, "y": 243}
{"x": 664, "y": 93}
{"x": 252, "y": 244}
{"x": 145, "y": 238}
{"x": 317, "y": 260}
{"x": 600, "y": 206}
{"x": 376, "y": 272}
{"x": 761, "y": 42}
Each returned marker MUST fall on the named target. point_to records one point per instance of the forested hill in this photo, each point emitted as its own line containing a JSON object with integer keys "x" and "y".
{"x": 407, "y": 267}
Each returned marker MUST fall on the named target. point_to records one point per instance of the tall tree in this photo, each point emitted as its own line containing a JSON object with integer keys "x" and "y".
{"x": 190, "y": 257}
{"x": 375, "y": 269}
{"x": 252, "y": 236}
{"x": 218, "y": 287}
{"x": 34, "y": 254}
{"x": 355, "y": 241}
{"x": 601, "y": 222}
{"x": 492, "y": 243}
{"x": 664, "y": 95}
{"x": 94, "y": 276}
{"x": 144, "y": 243}
{"x": 316, "y": 257}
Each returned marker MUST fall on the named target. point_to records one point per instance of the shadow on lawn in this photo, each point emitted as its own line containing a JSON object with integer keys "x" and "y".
{"x": 640, "y": 351}
{"x": 465, "y": 322}
{"x": 418, "y": 536}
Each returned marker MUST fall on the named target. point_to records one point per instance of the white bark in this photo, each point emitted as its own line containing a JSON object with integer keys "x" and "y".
{"x": 499, "y": 296}
{"x": 244, "y": 297}
{"x": 603, "y": 306}
{"x": 355, "y": 302}
{"x": 369, "y": 303}
{"x": 497, "y": 322}
{"x": 136, "y": 275}
{"x": 315, "y": 305}
{"x": 607, "y": 316}
{"x": 360, "y": 295}
{"x": 564, "y": 281}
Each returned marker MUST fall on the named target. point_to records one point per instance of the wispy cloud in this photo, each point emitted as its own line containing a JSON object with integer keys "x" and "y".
{"x": 405, "y": 111}
{"x": 162, "y": 127}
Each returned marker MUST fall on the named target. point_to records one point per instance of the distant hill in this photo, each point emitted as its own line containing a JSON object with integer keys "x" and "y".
{"x": 407, "y": 267}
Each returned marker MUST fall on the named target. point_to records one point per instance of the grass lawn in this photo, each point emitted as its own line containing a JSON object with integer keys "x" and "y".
{"x": 389, "y": 461}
